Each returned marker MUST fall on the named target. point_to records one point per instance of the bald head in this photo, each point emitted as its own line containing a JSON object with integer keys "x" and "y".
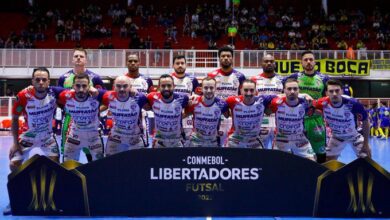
{"x": 122, "y": 86}
{"x": 268, "y": 64}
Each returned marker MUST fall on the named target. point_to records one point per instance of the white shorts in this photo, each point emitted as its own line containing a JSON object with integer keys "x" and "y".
{"x": 244, "y": 142}
{"x": 77, "y": 140}
{"x": 159, "y": 143}
{"x": 335, "y": 146}
{"x": 195, "y": 141}
{"x": 224, "y": 128}
{"x": 45, "y": 141}
{"x": 117, "y": 142}
{"x": 297, "y": 144}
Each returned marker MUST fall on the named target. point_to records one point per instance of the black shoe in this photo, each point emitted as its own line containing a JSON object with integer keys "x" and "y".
{"x": 7, "y": 210}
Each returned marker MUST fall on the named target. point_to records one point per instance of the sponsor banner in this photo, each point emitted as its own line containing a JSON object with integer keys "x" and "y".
{"x": 332, "y": 67}
{"x": 202, "y": 182}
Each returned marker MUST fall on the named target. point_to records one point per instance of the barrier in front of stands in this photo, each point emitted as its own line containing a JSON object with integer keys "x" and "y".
{"x": 201, "y": 182}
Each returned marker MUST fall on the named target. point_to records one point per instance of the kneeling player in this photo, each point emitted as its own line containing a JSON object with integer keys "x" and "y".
{"x": 207, "y": 111}
{"x": 247, "y": 113}
{"x": 125, "y": 106}
{"x": 290, "y": 112}
{"x": 37, "y": 104}
{"x": 84, "y": 111}
{"x": 341, "y": 114}
{"x": 168, "y": 109}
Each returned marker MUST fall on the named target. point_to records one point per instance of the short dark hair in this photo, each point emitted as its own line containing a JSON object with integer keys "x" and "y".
{"x": 81, "y": 76}
{"x": 80, "y": 49}
{"x": 306, "y": 52}
{"x": 41, "y": 68}
{"x": 163, "y": 76}
{"x": 225, "y": 49}
{"x": 333, "y": 82}
{"x": 288, "y": 80}
{"x": 208, "y": 78}
{"x": 249, "y": 81}
{"x": 178, "y": 57}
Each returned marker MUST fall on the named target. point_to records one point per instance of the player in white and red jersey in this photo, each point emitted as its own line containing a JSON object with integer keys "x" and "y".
{"x": 168, "y": 109}
{"x": 247, "y": 112}
{"x": 290, "y": 112}
{"x": 140, "y": 82}
{"x": 268, "y": 83}
{"x": 125, "y": 106}
{"x": 229, "y": 81}
{"x": 207, "y": 111}
{"x": 37, "y": 105}
{"x": 84, "y": 112}
{"x": 341, "y": 114}
{"x": 185, "y": 84}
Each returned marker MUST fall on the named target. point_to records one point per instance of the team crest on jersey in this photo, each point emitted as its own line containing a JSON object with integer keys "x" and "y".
{"x": 133, "y": 107}
{"x": 235, "y": 81}
{"x": 177, "y": 108}
{"x": 259, "y": 107}
{"x": 301, "y": 113}
{"x": 216, "y": 113}
{"x": 93, "y": 104}
{"x": 347, "y": 114}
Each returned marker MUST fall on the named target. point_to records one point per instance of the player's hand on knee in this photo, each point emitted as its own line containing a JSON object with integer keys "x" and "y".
{"x": 14, "y": 149}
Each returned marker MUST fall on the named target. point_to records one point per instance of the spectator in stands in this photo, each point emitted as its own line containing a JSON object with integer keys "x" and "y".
{"x": 123, "y": 31}
{"x": 360, "y": 45}
{"x": 342, "y": 45}
{"x": 76, "y": 34}
{"x": 148, "y": 42}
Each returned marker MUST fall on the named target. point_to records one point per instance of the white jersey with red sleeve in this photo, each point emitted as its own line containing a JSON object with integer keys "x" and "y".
{"x": 342, "y": 120}
{"x": 142, "y": 83}
{"x": 85, "y": 114}
{"x": 126, "y": 114}
{"x": 186, "y": 84}
{"x": 168, "y": 116}
{"x": 289, "y": 119}
{"x": 38, "y": 113}
{"x": 207, "y": 117}
{"x": 228, "y": 84}
{"x": 247, "y": 118}
{"x": 268, "y": 85}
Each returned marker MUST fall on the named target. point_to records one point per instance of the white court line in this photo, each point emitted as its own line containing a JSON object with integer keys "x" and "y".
{"x": 209, "y": 218}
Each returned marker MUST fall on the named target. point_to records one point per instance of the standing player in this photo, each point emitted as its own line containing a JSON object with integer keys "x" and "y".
{"x": 140, "y": 82}
{"x": 383, "y": 116}
{"x": 268, "y": 83}
{"x": 79, "y": 61}
{"x": 84, "y": 112}
{"x": 229, "y": 81}
{"x": 125, "y": 106}
{"x": 37, "y": 105}
{"x": 185, "y": 84}
{"x": 289, "y": 113}
{"x": 247, "y": 113}
{"x": 168, "y": 109}
{"x": 341, "y": 114}
{"x": 207, "y": 111}
{"x": 313, "y": 83}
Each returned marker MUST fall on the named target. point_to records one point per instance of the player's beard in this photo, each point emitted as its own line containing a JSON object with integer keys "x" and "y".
{"x": 226, "y": 65}
{"x": 81, "y": 95}
{"x": 292, "y": 97}
{"x": 166, "y": 94}
{"x": 309, "y": 68}
{"x": 180, "y": 70}
{"x": 269, "y": 69}
{"x": 249, "y": 98}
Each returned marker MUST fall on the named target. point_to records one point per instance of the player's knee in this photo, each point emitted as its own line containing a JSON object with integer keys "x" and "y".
{"x": 13, "y": 165}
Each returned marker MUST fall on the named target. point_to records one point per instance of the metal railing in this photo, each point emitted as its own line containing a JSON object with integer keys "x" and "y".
{"x": 115, "y": 58}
